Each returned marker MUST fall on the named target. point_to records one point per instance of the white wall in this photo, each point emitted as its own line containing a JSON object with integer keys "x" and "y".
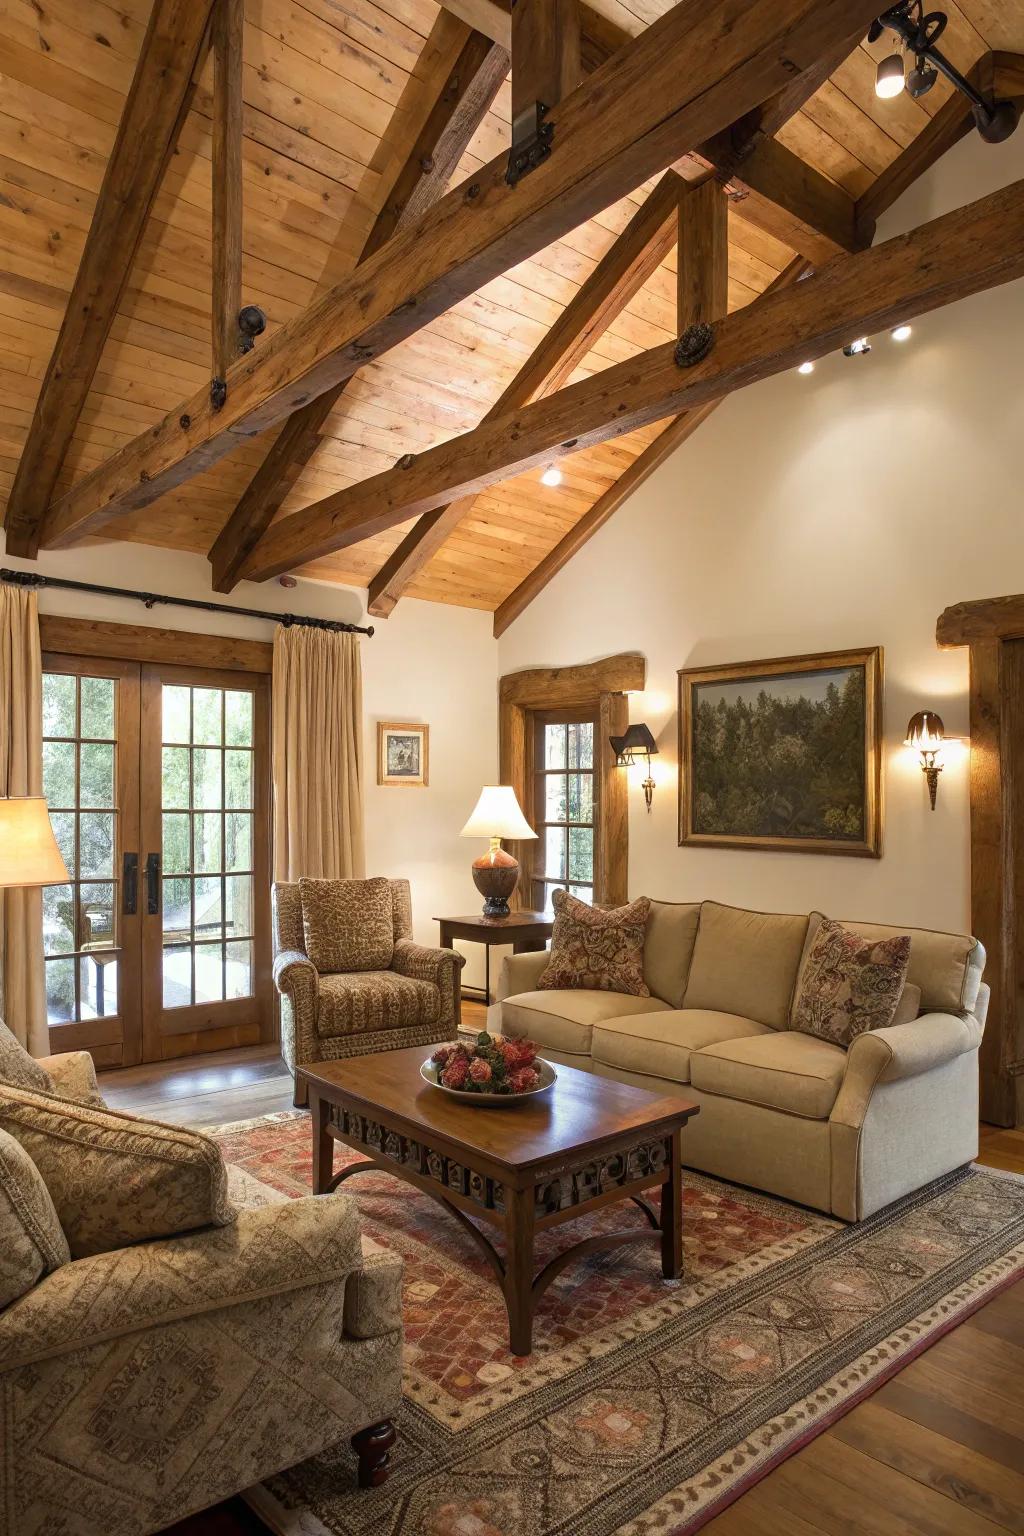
{"x": 428, "y": 662}
{"x": 839, "y": 510}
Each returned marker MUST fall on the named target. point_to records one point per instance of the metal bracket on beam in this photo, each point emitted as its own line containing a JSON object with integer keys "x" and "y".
{"x": 252, "y": 322}
{"x": 694, "y": 344}
{"x": 531, "y": 142}
{"x": 218, "y": 394}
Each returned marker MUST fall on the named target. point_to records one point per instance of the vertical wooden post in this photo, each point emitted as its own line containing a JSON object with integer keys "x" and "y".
{"x": 228, "y": 30}
{"x": 545, "y": 53}
{"x": 703, "y": 254}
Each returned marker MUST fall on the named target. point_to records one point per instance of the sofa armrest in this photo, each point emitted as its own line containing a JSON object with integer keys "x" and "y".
{"x": 422, "y": 964}
{"x": 74, "y": 1077}
{"x": 520, "y": 973}
{"x": 266, "y": 1252}
{"x": 901, "y": 1051}
{"x": 373, "y": 1296}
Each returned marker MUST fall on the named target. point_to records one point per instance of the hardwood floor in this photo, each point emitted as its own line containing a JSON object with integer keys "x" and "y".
{"x": 937, "y": 1451}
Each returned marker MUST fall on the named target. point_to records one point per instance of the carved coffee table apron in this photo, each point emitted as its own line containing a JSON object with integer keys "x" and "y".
{"x": 522, "y": 1170}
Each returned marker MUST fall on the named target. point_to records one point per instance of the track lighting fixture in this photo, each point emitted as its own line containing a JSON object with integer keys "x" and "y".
{"x": 857, "y": 348}
{"x": 551, "y": 476}
{"x": 919, "y": 32}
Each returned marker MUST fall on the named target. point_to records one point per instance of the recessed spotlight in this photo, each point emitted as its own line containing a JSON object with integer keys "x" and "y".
{"x": 806, "y": 368}
{"x": 857, "y": 348}
{"x": 551, "y": 476}
{"x": 902, "y": 333}
{"x": 890, "y": 76}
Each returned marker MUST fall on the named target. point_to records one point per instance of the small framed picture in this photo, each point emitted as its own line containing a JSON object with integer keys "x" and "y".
{"x": 403, "y": 754}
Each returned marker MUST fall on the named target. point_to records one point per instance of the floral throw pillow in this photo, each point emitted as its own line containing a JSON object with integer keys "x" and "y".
{"x": 849, "y": 984}
{"x": 602, "y": 951}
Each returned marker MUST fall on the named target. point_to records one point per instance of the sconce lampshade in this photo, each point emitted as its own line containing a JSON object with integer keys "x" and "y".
{"x": 925, "y": 732}
{"x": 29, "y": 855}
{"x": 497, "y": 814}
{"x": 638, "y": 739}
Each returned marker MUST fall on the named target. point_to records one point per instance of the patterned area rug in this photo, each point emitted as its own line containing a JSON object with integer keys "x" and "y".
{"x": 647, "y": 1405}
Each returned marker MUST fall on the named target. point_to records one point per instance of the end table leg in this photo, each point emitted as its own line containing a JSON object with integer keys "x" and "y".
{"x": 323, "y": 1145}
{"x": 519, "y": 1268}
{"x": 672, "y": 1211}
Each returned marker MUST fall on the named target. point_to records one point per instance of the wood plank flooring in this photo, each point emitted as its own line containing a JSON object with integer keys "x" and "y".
{"x": 937, "y": 1451}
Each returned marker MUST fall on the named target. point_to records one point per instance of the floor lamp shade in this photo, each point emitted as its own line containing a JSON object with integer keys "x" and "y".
{"x": 497, "y": 814}
{"x": 29, "y": 854}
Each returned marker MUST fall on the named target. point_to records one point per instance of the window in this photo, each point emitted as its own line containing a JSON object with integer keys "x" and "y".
{"x": 564, "y": 808}
{"x": 80, "y": 919}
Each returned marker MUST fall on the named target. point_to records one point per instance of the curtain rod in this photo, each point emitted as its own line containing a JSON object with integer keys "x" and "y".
{"x": 34, "y": 579}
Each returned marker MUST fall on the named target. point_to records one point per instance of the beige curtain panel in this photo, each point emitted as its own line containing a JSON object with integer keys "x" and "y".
{"x": 318, "y": 755}
{"x": 22, "y": 979}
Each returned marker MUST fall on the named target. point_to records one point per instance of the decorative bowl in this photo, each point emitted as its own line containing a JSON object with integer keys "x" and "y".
{"x": 548, "y": 1075}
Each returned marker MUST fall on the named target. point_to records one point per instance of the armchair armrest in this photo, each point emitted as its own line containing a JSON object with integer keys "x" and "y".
{"x": 268, "y": 1251}
{"x": 901, "y": 1051}
{"x": 294, "y": 972}
{"x": 521, "y": 973}
{"x": 74, "y": 1076}
{"x": 422, "y": 964}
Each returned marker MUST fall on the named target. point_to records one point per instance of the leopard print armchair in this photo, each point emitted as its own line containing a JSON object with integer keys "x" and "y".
{"x": 327, "y": 1012}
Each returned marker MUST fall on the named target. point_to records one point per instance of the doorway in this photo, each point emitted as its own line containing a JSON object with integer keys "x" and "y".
{"x": 157, "y": 779}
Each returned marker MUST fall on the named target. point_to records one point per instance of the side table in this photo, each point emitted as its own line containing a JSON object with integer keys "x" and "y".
{"x": 523, "y": 930}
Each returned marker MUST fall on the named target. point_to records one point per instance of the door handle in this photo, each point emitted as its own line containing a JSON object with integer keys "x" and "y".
{"x": 130, "y": 878}
{"x": 153, "y": 884}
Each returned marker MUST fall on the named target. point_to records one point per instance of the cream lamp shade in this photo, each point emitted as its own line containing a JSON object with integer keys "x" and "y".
{"x": 497, "y": 814}
{"x": 28, "y": 849}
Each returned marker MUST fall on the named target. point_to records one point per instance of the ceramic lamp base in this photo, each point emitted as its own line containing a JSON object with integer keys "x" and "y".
{"x": 495, "y": 875}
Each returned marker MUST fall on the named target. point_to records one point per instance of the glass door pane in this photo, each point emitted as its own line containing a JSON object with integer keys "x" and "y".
{"x": 564, "y": 794}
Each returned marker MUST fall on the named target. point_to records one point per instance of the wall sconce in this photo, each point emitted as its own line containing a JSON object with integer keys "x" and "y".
{"x": 925, "y": 734}
{"x": 637, "y": 743}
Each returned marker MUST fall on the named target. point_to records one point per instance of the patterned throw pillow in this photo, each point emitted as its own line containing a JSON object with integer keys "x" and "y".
{"x": 115, "y": 1179}
{"x": 18, "y": 1067}
{"x": 602, "y": 951}
{"x": 31, "y": 1241}
{"x": 348, "y": 925}
{"x": 850, "y": 984}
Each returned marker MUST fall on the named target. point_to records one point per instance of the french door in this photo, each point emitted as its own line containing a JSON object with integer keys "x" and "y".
{"x": 565, "y": 804}
{"x": 157, "y": 779}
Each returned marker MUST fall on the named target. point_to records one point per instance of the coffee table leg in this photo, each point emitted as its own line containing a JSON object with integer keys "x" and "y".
{"x": 519, "y": 1269}
{"x": 323, "y": 1145}
{"x": 672, "y": 1211}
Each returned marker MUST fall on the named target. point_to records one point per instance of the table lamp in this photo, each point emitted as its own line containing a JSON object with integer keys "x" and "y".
{"x": 495, "y": 873}
{"x": 29, "y": 855}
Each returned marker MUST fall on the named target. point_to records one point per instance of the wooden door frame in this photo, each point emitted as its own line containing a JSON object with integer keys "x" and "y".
{"x": 993, "y": 630}
{"x": 602, "y": 684}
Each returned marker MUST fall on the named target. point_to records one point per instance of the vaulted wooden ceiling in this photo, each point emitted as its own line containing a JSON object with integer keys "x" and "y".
{"x": 333, "y": 91}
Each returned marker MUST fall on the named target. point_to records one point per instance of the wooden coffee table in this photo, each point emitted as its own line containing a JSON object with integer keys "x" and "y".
{"x": 521, "y": 1169}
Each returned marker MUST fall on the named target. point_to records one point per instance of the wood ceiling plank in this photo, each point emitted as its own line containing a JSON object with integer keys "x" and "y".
{"x": 965, "y": 252}
{"x": 617, "y": 277}
{"x": 155, "y": 108}
{"x": 648, "y": 111}
{"x": 462, "y": 96}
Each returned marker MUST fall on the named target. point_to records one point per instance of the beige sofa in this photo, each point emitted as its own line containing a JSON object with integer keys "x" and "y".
{"x": 844, "y": 1131}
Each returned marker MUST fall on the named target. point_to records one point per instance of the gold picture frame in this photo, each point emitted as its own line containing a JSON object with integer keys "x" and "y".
{"x": 403, "y": 754}
{"x": 784, "y": 750}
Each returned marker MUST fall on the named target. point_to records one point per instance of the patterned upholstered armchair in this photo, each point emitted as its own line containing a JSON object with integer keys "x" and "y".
{"x": 350, "y": 977}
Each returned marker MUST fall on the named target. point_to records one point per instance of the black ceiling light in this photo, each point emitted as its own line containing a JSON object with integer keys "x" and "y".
{"x": 918, "y": 32}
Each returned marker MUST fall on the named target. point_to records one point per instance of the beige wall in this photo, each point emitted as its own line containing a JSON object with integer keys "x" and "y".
{"x": 427, "y": 662}
{"x": 843, "y": 509}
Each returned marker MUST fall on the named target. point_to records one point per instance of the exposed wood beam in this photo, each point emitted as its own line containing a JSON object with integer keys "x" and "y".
{"x": 464, "y": 95}
{"x": 629, "y": 120}
{"x": 154, "y": 111}
{"x": 986, "y": 618}
{"x": 964, "y": 252}
{"x": 491, "y": 17}
{"x": 618, "y": 276}
{"x": 778, "y": 192}
{"x": 227, "y": 33}
{"x": 545, "y": 54}
{"x": 641, "y": 469}
{"x": 702, "y": 260}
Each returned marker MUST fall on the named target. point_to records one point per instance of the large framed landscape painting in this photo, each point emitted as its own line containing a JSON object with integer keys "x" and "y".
{"x": 783, "y": 755}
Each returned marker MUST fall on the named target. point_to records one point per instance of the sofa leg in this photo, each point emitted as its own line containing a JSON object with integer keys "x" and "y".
{"x": 300, "y": 1097}
{"x": 373, "y": 1447}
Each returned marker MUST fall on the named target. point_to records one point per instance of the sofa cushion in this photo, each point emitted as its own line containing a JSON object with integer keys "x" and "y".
{"x": 115, "y": 1179}
{"x": 564, "y": 1021}
{"x": 849, "y": 984}
{"x": 18, "y": 1067}
{"x": 31, "y": 1241}
{"x": 668, "y": 949}
{"x": 746, "y": 963}
{"x": 660, "y": 1044}
{"x": 348, "y": 925}
{"x": 799, "y": 1074}
{"x": 948, "y": 967}
{"x": 366, "y": 1001}
{"x": 597, "y": 950}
